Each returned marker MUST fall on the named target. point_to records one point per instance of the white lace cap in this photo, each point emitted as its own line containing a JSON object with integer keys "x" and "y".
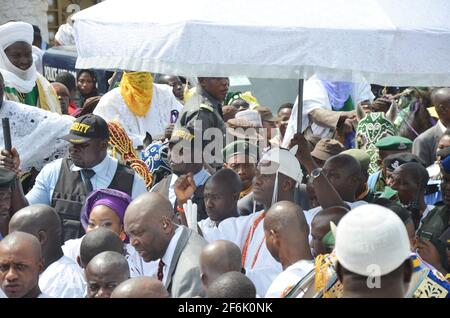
{"x": 285, "y": 163}
{"x": 371, "y": 240}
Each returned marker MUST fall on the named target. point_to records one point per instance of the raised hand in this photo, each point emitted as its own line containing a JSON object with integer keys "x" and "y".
{"x": 303, "y": 152}
{"x": 184, "y": 188}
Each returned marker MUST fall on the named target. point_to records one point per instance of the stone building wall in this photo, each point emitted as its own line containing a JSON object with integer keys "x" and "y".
{"x": 31, "y": 11}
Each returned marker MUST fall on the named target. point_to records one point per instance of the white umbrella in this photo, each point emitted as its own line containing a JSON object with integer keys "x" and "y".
{"x": 388, "y": 42}
{"x": 401, "y": 42}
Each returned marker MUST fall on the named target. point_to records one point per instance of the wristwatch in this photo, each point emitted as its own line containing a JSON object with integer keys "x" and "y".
{"x": 316, "y": 173}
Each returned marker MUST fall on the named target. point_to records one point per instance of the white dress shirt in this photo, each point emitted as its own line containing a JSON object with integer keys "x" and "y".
{"x": 46, "y": 180}
{"x": 168, "y": 256}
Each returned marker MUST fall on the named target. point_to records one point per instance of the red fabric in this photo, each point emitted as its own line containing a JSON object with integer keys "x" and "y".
{"x": 160, "y": 274}
{"x": 72, "y": 108}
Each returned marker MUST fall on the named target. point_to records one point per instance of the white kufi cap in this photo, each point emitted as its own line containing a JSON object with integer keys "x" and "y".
{"x": 371, "y": 240}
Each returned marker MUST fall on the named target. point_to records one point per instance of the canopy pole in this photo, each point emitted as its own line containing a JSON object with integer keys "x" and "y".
{"x": 300, "y": 105}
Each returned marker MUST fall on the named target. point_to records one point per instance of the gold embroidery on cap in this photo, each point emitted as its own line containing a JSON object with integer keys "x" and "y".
{"x": 83, "y": 128}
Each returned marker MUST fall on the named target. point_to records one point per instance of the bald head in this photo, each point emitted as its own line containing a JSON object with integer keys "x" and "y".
{"x": 148, "y": 223}
{"x": 286, "y": 218}
{"x": 140, "y": 287}
{"x": 344, "y": 173}
{"x": 24, "y": 242}
{"x": 232, "y": 285}
{"x": 320, "y": 226}
{"x": 286, "y": 232}
{"x": 21, "y": 262}
{"x": 441, "y": 100}
{"x": 217, "y": 258}
{"x": 98, "y": 241}
{"x": 416, "y": 172}
{"x": 323, "y": 218}
{"x": 109, "y": 262}
{"x": 440, "y": 96}
{"x": 227, "y": 180}
{"x": 38, "y": 218}
{"x": 345, "y": 161}
{"x": 60, "y": 87}
{"x": 104, "y": 273}
{"x": 149, "y": 207}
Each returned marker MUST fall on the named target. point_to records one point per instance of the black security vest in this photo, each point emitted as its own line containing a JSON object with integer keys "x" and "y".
{"x": 70, "y": 194}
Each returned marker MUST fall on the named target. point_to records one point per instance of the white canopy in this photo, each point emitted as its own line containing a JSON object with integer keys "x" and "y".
{"x": 388, "y": 42}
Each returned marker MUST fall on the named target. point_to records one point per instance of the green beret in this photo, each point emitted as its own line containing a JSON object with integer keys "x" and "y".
{"x": 361, "y": 156}
{"x": 394, "y": 143}
{"x": 7, "y": 177}
{"x": 240, "y": 147}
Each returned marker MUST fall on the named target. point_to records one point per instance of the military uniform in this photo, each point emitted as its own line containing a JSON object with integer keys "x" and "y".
{"x": 396, "y": 144}
{"x": 7, "y": 181}
{"x": 203, "y": 107}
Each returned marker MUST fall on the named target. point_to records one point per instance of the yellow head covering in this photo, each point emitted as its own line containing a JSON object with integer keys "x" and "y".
{"x": 136, "y": 89}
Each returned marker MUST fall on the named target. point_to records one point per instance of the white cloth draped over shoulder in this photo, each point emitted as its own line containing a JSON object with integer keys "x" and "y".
{"x": 63, "y": 279}
{"x": 35, "y": 133}
{"x": 112, "y": 107}
{"x": 236, "y": 230}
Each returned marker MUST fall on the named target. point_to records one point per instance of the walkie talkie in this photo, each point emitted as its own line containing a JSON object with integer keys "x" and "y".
{"x": 6, "y": 133}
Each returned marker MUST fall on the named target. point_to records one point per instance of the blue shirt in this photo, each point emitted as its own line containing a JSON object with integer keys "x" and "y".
{"x": 199, "y": 179}
{"x": 46, "y": 180}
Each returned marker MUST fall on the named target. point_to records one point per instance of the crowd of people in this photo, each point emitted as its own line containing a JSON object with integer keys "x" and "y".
{"x": 165, "y": 188}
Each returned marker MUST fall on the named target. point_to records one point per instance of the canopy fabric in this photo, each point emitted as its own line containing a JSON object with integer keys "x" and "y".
{"x": 401, "y": 42}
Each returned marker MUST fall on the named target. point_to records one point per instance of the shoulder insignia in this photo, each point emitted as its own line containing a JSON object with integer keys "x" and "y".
{"x": 207, "y": 107}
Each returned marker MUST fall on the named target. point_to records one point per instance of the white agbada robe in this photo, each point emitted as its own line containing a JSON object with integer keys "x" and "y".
{"x": 315, "y": 96}
{"x": 112, "y": 107}
{"x": 138, "y": 267}
{"x": 236, "y": 229}
{"x": 289, "y": 278}
{"x": 63, "y": 279}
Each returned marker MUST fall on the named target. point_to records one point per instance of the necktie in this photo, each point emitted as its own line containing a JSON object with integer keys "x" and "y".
{"x": 160, "y": 273}
{"x": 87, "y": 175}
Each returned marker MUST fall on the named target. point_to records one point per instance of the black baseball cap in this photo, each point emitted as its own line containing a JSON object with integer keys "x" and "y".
{"x": 87, "y": 127}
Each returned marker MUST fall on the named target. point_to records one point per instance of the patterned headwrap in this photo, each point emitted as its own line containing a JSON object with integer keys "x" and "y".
{"x": 371, "y": 129}
{"x": 116, "y": 200}
{"x": 155, "y": 157}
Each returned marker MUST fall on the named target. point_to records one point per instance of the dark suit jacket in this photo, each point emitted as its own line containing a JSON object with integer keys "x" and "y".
{"x": 184, "y": 272}
{"x": 426, "y": 143}
{"x": 162, "y": 187}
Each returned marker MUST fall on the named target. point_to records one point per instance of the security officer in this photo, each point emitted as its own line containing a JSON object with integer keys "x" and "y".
{"x": 7, "y": 181}
{"x": 387, "y": 146}
{"x": 66, "y": 182}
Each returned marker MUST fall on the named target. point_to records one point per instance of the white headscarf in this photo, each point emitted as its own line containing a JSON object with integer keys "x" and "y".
{"x": 22, "y": 80}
